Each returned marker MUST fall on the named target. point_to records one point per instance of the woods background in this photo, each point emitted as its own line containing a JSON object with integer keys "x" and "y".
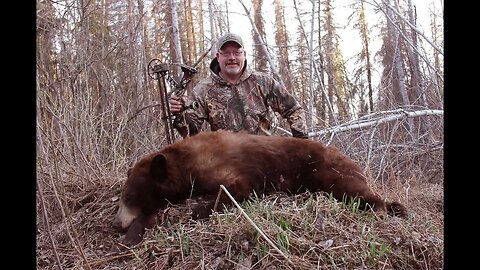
{"x": 383, "y": 106}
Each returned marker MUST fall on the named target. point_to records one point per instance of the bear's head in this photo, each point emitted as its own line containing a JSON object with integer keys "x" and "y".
{"x": 141, "y": 196}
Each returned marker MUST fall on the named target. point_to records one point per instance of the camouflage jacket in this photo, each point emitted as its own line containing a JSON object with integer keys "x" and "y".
{"x": 242, "y": 106}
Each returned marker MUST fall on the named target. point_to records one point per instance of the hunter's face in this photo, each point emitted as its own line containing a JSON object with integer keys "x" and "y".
{"x": 231, "y": 58}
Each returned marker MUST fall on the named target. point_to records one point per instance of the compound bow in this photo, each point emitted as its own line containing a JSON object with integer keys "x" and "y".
{"x": 162, "y": 73}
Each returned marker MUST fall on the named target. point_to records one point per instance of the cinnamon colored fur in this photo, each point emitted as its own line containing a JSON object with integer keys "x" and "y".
{"x": 198, "y": 165}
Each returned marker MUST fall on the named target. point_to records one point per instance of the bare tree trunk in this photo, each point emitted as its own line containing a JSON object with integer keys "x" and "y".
{"x": 176, "y": 50}
{"x": 258, "y": 37}
{"x": 321, "y": 104}
{"x": 191, "y": 40}
{"x": 310, "y": 102}
{"x": 437, "y": 66}
{"x": 145, "y": 40}
{"x": 214, "y": 33}
{"x": 329, "y": 63}
{"x": 414, "y": 28}
{"x": 227, "y": 13}
{"x": 201, "y": 35}
{"x": 144, "y": 48}
{"x": 417, "y": 77}
{"x": 318, "y": 74}
{"x": 397, "y": 60}
{"x": 365, "y": 39}
{"x": 281, "y": 38}
{"x": 300, "y": 81}
{"x": 158, "y": 47}
{"x": 263, "y": 47}
{"x": 417, "y": 81}
{"x": 105, "y": 18}
{"x": 398, "y": 67}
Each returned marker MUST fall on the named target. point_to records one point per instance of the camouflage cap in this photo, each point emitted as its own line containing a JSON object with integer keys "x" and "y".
{"x": 229, "y": 37}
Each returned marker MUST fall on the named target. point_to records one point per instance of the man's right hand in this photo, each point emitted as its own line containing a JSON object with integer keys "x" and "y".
{"x": 175, "y": 104}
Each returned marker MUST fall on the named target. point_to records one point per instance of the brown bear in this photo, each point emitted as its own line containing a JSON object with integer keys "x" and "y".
{"x": 243, "y": 163}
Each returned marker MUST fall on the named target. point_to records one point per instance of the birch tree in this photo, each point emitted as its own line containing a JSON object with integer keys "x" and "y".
{"x": 311, "y": 94}
{"x": 175, "y": 46}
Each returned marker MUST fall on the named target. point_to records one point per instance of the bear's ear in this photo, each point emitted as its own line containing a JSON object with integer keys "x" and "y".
{"x": 158, "y": 167}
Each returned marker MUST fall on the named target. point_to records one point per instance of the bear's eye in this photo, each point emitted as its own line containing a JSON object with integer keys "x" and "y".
{"x": 128, "y": 198}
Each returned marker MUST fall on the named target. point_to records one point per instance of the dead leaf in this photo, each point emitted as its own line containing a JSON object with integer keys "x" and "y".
{"x": 326, "y": 244}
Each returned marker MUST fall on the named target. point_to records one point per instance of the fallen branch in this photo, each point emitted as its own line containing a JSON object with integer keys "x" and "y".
{"x": 360, "y": 123}
{"x": 222, "y": 187}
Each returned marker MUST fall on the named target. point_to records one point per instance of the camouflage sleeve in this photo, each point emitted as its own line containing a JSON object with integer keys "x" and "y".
{"x": 191, "y": 120}
{"x": 281, "y": 101}
{"x": 180, "y": 124}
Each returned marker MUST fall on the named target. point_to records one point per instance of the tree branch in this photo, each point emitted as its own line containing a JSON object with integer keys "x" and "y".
{"x": 361, "y": 123}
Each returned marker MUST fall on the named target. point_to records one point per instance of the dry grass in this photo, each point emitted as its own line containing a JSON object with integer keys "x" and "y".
{"x": 313, "y": 231}
{"x": 82, "y": 158}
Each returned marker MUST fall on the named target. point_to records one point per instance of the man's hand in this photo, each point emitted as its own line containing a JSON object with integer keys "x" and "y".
{"x": 175, "y": 104}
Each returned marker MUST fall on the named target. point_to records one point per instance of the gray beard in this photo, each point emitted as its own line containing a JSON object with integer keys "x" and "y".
{"x": 232, "y": 71}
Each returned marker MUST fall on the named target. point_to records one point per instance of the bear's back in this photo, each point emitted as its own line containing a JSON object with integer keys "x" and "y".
{"x": 222, "y": 157}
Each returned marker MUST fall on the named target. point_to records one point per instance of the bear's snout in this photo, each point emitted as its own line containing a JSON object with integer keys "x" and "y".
{"x": 124, "y": 218}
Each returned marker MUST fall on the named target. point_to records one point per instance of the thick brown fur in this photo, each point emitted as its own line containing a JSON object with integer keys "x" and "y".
{"x": 243, "y": 163}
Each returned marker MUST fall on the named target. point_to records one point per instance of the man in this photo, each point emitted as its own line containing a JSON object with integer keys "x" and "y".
{"x": 235, "y": 98}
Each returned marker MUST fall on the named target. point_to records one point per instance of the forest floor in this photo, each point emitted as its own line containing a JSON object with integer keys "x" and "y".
{"x": 307, "y": 231}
